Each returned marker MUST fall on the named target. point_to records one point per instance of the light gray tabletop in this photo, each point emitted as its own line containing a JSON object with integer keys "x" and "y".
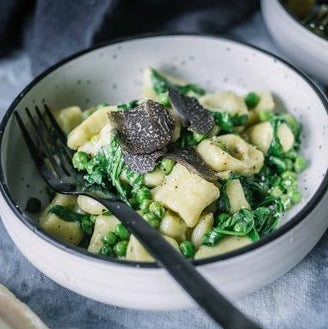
{"x": 299, "y": 299}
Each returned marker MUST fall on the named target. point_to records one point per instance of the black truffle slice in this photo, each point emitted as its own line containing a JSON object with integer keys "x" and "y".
{"x": 143, "y": 163}
{"x": 189, "y": 158}
{"x": 191, "y": 112}
{"x": 145, "y": 128}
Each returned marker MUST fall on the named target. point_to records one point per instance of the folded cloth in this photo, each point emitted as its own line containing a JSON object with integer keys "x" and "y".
{"x": 55, "y": 29}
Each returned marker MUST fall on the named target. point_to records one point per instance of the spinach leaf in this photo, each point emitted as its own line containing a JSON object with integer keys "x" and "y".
{"x": 212, "y": 237}
{"x": 86, "y": 222}
{"x": 275, "y": 148}
{"x": 227, "y": 122}
{"x": 254, "y": 235}
{"x": 266, "y": 216}
{"x": 223, "y": 204}
{"x": 66, "y": 214}
{"x": 106, "y": 167}
{"x": 161, "y": 85}
{"x": 184, "y": 90}
{"x": 239, "y": 224}
{"x": 128, "y": 106}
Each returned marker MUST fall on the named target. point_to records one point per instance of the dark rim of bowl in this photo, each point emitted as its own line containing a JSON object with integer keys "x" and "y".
{"x": 82, "y": 252}
{"x": 298, "y": 21}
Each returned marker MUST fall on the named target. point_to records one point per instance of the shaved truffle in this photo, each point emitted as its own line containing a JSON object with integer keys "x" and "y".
{"x": 189, "y": 158}
{"x": 192, "y": 113}
{"x": 142, "y": 163}
{"x": 144, "y": 129}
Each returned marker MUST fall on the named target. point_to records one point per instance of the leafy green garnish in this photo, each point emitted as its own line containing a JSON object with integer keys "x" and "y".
{"x": 128, "y": 106}
{"x": 223, "y": 204}
{"x": 212, "y": 237}
{"x": 66, "y": 214}
{"x": 189, "y": 138}
{"x": 276, "y": 148}
{"x": 184, "y": 90}
{"x": 107, "y": 167}
{"x": 162, "y": 85}
{"x": 227, "y": 122}
{"x": 239, "y": 224}
{"x": 80, "y": 160}
{"x": 86, "y": 222}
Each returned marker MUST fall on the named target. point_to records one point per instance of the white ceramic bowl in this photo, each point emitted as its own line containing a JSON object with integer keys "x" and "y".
{"x": 304, "y": 48}
{"x": 113, "y": 73}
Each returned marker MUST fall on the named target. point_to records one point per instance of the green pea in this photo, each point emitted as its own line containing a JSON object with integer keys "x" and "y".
{"x": 289, "y": 179}
{"x": 221, "y": 218}
{"x": 106, "y": 250}
{"x": 152, "y": 219}
{"x": 120, "y": 248}
{"x": 93, "y": 218}
{"x": 286, "y": 201}
{"x": 289, "y": 164}
{"x": 164, "y": 99}
{"x": 198, "y": 137}
{"x": 142, "y": 194}
{"x": 187, "y": 248}
{"x": 266, "y": 115}
{"x": 276, "y": 191}
{"x": 295, "y": 196}
{"x": 287, "y": 183}
{"x": 289, "y": 175}
{"x": 80, "y": 160}
{"x": 292, "y": 154}
{"x": 121, "y": 231}
{"x": 167, "y": 165}
{"x": 33, "y": 205}
{"x": 252, "y": 99}
{"x": 300, "y": 164}
{"x": 157, "y": 209}
{"x": 144, "y": 206}
{"x": 109, "y": 239}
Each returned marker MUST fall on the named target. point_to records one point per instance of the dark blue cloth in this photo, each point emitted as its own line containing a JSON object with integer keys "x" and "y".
{"x": 51, "y": 30}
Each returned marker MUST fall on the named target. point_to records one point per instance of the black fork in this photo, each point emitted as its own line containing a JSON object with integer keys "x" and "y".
{"x": 47, "y": 146}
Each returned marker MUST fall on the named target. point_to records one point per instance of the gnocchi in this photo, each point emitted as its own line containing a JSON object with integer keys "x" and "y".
{"x": 231, "y": 152}
{"x": 186, "y": 193}
{"x": 211, "y": 172}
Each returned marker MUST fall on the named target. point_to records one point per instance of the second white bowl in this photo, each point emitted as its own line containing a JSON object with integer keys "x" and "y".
{"x": 304, "y": 48}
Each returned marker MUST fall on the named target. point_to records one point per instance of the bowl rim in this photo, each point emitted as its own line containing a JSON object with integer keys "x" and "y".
{"x": 81, "y": 252}
{"x": 318, "y": 38}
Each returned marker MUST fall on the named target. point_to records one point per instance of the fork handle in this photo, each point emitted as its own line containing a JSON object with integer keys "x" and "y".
{"x": 183, "y": 271}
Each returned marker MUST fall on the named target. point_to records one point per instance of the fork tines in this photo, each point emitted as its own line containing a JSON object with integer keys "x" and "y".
{"x": 46, "y": 143}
